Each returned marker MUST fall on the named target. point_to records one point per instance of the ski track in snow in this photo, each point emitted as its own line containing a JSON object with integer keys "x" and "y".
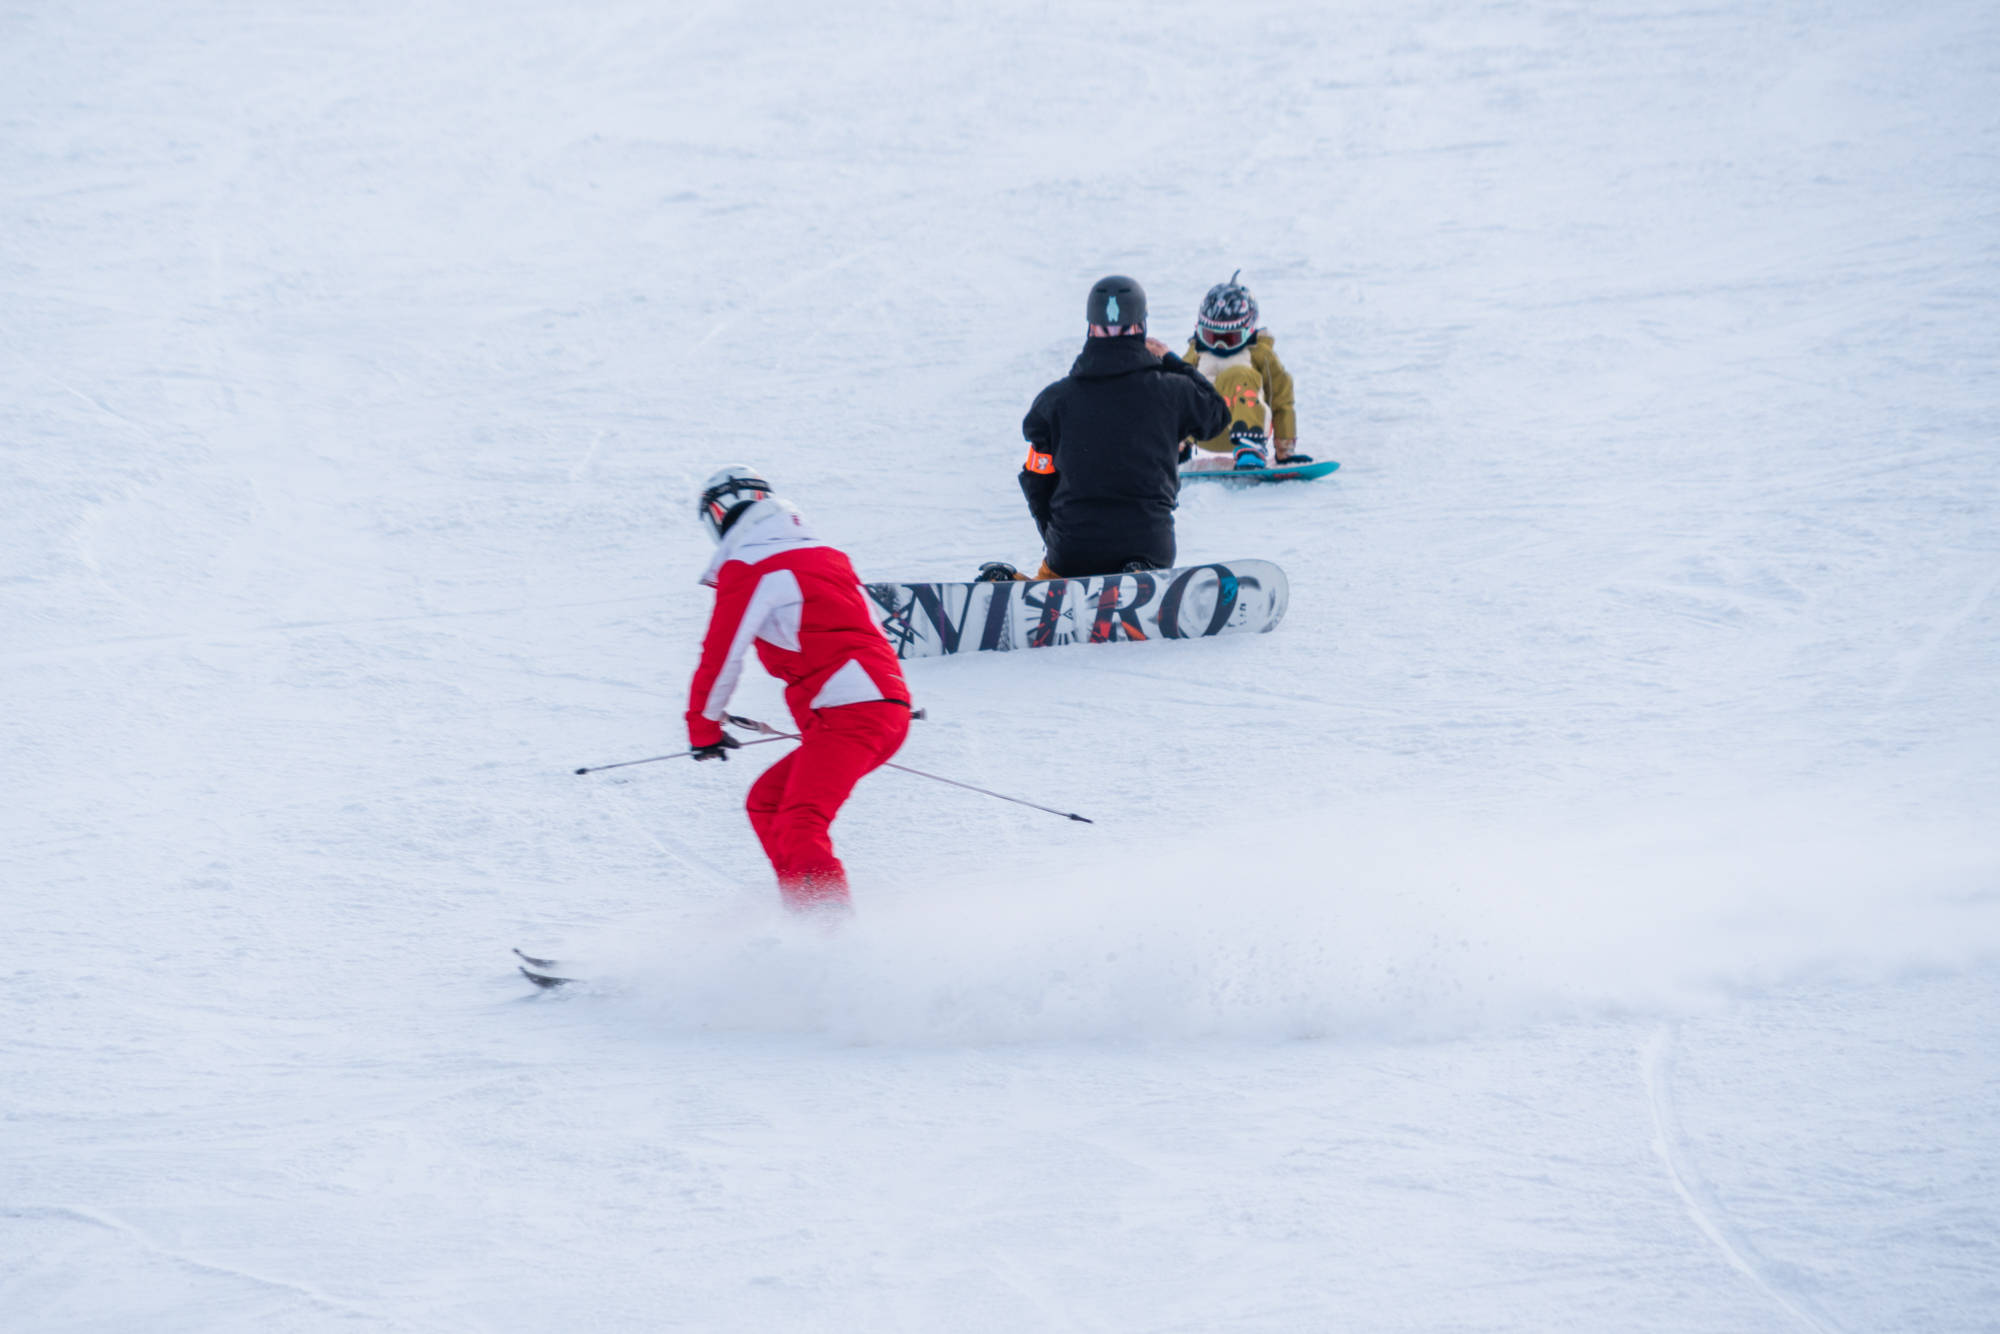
{"x": 1640, "y": 690}
{"x": 150, "y": 1245}
{"x": 1914, "y": 660}
{"x": 1708, "y": 1215}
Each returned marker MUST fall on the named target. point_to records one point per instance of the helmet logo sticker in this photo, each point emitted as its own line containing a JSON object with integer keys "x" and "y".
{"x": 1111, "y": 310}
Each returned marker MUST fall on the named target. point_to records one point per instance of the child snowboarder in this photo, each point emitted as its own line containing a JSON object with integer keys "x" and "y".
{"x": 800, "y": 602}
{"x": 1241, "y": 360}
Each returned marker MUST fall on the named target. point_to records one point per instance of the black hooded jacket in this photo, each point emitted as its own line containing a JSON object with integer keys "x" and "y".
{"x": 1103, "y": 476}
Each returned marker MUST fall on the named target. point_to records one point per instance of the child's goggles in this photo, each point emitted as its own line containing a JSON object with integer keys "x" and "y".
{"x": 1226, "y": 340}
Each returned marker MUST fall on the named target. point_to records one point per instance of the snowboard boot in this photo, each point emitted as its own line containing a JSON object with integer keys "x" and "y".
{"x": 1252, "y": 446}
{"x": 996, "y": 572}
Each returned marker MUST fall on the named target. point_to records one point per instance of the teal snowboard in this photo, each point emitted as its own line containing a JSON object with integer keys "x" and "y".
{"x": 1300, "y": 472}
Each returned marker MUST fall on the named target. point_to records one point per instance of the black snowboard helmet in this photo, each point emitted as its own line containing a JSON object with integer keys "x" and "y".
{"x": 1228, "y": 319}
{"x": 1116, "y": 302}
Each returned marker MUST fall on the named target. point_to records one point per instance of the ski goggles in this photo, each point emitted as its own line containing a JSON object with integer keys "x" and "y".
{"x": 1226, "y": 340}
{"x": 718, "y": 502}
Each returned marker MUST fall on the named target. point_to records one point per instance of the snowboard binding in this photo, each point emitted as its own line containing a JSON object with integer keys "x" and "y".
{"x": 1252, "y": 446}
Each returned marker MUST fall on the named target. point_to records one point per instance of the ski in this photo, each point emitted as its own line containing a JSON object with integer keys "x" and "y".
{"x": 536, "y": 970}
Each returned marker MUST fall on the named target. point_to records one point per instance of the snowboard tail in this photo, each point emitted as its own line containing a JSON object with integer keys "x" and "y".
{"x": 1193, "y": 602}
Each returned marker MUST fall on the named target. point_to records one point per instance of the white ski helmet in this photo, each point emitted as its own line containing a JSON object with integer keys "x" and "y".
{"x": 726, "y": 494}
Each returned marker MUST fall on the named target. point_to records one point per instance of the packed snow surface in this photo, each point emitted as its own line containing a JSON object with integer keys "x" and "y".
{"x": 1582, "y": 913}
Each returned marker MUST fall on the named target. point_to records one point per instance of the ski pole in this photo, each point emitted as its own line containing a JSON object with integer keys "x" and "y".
{"x": 651, "y": 759}
{"x": 773, "y": 734}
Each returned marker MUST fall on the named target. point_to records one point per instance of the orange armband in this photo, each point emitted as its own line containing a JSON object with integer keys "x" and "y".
{"x": 1039, "y": 462}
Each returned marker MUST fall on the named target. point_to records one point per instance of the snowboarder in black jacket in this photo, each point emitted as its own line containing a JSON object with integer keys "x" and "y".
{"x": 1103, "y": 474}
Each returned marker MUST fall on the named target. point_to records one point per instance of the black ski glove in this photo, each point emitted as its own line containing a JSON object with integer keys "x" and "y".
{"x": 717, "y": 751}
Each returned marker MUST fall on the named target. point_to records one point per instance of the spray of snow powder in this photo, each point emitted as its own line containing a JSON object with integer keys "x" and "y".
{"x": 1360, "y": 926}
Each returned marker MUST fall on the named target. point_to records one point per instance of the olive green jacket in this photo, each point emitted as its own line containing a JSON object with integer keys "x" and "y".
{"x": 1263, "y": 358}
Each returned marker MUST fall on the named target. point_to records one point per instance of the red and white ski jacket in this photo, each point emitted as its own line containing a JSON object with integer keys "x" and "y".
{"x": 801, "y": 603}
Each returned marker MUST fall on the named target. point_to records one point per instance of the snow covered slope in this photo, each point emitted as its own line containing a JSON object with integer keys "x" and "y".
{"x": 1583, "y": 913}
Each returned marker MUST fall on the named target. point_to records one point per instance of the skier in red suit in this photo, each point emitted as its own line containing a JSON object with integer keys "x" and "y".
{"x": 800, "y": 602}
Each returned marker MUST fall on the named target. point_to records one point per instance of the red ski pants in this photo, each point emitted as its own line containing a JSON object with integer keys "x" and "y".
{"x": 792, "y": 804}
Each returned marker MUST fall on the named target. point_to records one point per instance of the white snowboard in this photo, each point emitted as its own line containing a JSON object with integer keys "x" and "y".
{"x": 1191, "y": 602}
